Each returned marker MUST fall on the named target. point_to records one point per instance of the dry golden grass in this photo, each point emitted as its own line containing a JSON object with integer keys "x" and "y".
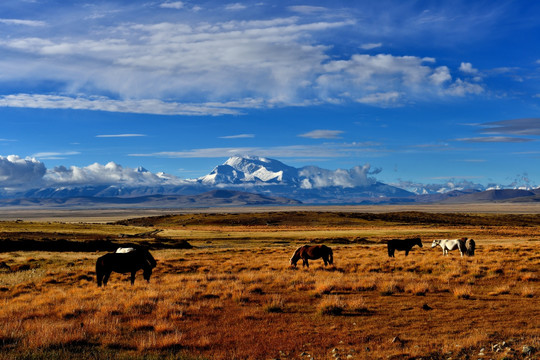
{"x": 241, "y": 300}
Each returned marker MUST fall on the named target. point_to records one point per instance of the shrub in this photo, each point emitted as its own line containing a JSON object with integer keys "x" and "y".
{"x": 462, "y": 292}
{"x": 331, "y": 306}
{"x": 276, "y": 305}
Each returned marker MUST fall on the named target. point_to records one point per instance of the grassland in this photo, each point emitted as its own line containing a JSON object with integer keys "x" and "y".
{"x": 234, "y": 296}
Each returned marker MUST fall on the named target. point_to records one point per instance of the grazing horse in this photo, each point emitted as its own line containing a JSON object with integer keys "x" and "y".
{"x": 312, "y": 252}
{"x": 402, "y": 245}
{"x": 448, "y": 245}
{"x": 470, "y": 245}
{"x": 127, "y": 262}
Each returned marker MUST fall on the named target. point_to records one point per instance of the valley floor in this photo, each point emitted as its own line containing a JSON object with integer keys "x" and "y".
{"x": 234, "y": 295}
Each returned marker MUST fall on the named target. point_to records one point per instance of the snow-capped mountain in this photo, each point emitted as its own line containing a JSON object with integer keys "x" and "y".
{"x": 309, "y": 184}
{"x": 251, "y": 169}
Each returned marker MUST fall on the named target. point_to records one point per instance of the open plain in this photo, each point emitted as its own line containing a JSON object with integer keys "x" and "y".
{"x": 233, "y": 295}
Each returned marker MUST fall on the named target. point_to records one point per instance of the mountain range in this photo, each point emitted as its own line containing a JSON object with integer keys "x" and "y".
{"x": 246, "y": 180}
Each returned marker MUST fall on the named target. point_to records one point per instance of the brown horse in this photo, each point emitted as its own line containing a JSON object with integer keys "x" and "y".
{"x": 312, "y": 252}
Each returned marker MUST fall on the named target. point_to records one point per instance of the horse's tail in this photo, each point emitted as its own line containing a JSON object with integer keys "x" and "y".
{"x": 99, "y": 271}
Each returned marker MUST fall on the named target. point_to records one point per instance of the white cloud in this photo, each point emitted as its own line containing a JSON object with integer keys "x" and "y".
{"x": 371, "y": 46}
{"x": 32, "y": 23}
{"x": 462, "y": 88}
{"x": 109, "y": 174}
{"x": 172, "y": 5}
{"x": 239, "y": 136}
{"x": 235, "y": 6}
{"x": 325, "y": 151}
{"x": 467, "y": 68}
{"x": 388, "y": 98}
{"x": 307, "y": 9}
{"x": 440, "y": 75}
{"x": 320, "y": 178}
{"x": 322, "y": 134}
{"x": 54, "y": 155}
{"x": 21, "y": 173}
{"x": 215, "y": 68}
{"x": 148, "y": 106}
{"x": 503, "y": 139}
{"x": 120, "y": 135}
{"x": 524, "y": 126}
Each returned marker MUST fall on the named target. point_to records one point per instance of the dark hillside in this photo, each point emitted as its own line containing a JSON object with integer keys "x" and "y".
{"x": 334, "y": 219}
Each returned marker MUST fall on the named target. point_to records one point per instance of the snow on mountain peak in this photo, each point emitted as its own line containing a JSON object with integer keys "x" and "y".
{"x": 251, "y": 169}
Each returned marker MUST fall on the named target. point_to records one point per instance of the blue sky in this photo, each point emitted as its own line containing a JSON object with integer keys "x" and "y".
{"x": 422, "y": 91}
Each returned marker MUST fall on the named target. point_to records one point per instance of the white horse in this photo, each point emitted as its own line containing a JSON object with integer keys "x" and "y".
{"x": 448, "y": 245}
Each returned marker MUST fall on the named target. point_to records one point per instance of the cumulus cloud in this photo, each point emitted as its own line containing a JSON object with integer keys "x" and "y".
{"x": 109, "y": 174}
{"x": 16, "y": 172}
{"x": 320, "y": 178}
{"x": 467, "y": 68}
{"x": 216, "y": 68}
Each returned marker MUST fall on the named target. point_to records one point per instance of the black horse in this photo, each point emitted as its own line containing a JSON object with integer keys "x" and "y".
{"x": 129, "y": 262}
{"x": 402, "y": 245}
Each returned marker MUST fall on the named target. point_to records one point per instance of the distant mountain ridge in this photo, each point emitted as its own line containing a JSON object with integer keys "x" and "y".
{"x": 269, "y": 181}
{"x": 212, "y": 198}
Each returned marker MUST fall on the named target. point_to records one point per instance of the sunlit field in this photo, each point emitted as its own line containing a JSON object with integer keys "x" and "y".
{"x": 234, "y": 295}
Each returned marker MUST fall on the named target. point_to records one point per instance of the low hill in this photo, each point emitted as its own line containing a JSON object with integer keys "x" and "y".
{"x": 208, "y": 199}
{"x": 503, "y": 195}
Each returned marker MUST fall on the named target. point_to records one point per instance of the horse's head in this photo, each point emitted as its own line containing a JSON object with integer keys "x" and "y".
{"x": 435, "y": 243}
{"x": 418, "y": 242}
{"x": 296, "y": 256}
{"x": 148, "y": 258}
{"x": 294, "y": 259}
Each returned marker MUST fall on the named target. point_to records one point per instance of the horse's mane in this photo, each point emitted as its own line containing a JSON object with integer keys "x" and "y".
{"x": 297, "y": 252}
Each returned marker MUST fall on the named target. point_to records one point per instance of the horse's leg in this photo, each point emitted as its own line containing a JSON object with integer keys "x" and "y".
{"x": 106, "y": 277}
{"x": 306, "y": 262}
{"x": 133, "y": 277}
{"x": 99, "y": 277}
{"x": 325, "y": 259}
{"x": 407, "y": 252}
